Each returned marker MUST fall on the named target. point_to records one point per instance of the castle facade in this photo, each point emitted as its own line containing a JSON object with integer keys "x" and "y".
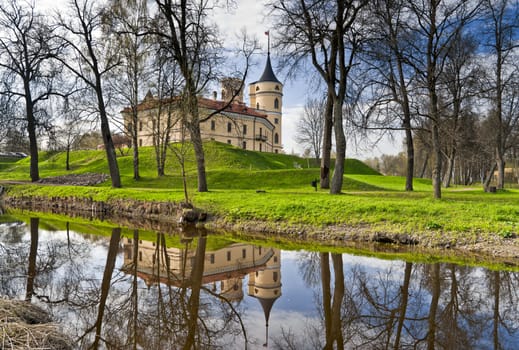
{"x": 256, "y": 127}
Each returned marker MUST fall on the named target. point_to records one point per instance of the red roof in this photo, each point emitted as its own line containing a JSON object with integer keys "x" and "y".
{"x": 235, "y": 107}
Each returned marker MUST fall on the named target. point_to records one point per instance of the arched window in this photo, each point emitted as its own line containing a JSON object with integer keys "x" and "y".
{"x": 257, "y": 88}
{"x": 257, "y": 105}
{"x": 277, "y": 87}
{"x": 276, "y": 103}
{"x": 276, "y": 138}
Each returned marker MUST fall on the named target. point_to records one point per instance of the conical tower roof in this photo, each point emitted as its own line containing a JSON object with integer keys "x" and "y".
{"x": 268, "y": 73}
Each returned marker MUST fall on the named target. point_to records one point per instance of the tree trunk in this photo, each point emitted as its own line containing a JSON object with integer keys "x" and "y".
{"x": 33, "y": 254}
{"x": 437, "y": 163}
{"x": 135, "y": 141}
{"x": 198, "y": 146}
{"x": 496, "y": 319}
{"x": 336, "y": 335}
{"x": 488, "y": 178}
{"x": 196, "y": 285}
{"x": 67, "y": 160}
{"x": 31, "y": 130}
{"x": 340, "y": 145}
{"x": 433, "y": 309}
{"x": 107, "y": 138}
{"x": 450, "y": 169}
{"x": 327, "y": 144}
{"x": 327, "y": 295}
{"x": 424, "y": 166}
{"x": 500, "y": 162}
{"x": 410, "y": 159}
{"x": 106, "y": 282}
{"x": 403, "y": 304}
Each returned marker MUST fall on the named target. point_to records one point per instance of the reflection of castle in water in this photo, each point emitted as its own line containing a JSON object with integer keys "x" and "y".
{"x": 224, "y": 269}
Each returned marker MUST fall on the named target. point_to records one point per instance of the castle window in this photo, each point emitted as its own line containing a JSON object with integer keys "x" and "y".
{"x": 276, "y": 103}
{"x": 140, "y": 142}
{"x": 257, "y": 88}
{"x": 228, "y": 142}
{"x": 244, "y": 129}
{"x": 229, "y": 127}
{"x": 235, "y": 287}
{"x": 260, "y": 147}
{"x": 244, "y": 253}
{"x": 276, "y": 138}
{"x": 140, "y": 256}
{"x": 213, "y": 125}
{"x": 244, "y": 146}
{"x": 257, "y": 105}
{"x": 130, "y": 128}
{"x": 275, "y": 276}
{"x": 140, "y": 126}
{"x": 277, "y": 87}
{"x": 228, "y": 256}
{"x": 276, "y": 121}
{"x": 211, "y": 257}
{"x": 261, "y": 131}
{"x": 275, "y": 151}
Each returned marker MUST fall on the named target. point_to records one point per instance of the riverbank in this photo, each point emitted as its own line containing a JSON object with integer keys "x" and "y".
{"x": 462, "y": 222}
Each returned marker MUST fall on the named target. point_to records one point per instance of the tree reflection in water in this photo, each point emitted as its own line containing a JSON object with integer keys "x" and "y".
{"x": 176, "y": 293}
{"x": 413, "y": 306}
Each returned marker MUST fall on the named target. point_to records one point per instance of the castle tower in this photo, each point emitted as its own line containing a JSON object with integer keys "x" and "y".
{"x": 265, "y": 286}
{"x": 266, "y": 95}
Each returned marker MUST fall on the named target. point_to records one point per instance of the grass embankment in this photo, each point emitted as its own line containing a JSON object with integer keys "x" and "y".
{"x": 374, "y": 202}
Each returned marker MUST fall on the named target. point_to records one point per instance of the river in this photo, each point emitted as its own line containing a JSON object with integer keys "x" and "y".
{"x": 113, "y": 288}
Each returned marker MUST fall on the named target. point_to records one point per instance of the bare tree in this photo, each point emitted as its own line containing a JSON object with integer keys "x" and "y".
{"x": 324, "y": 32}
{"x": 27, "y": 46}
{"x": 128, "y": 20}
{"x": 183, "y": 27}
{"x": 91, "y": 59}
{"x": 311, "y": 125}
{"x": 194, "y": 48}
{"x": 460, "y": 81}
{"x": 502, "y": 19}
{"x": 437, "y": 26}
{"x": 388, "y": 54}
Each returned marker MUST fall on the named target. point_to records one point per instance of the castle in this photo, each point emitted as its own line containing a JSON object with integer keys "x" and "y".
{"x": 256, "y": 127}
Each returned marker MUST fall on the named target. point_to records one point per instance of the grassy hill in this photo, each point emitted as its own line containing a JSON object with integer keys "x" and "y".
{"x": 228, "y": 167}
{"x": 370, "y": 202}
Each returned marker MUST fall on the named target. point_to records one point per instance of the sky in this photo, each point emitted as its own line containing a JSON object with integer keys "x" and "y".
{"x": 252, "y": 15}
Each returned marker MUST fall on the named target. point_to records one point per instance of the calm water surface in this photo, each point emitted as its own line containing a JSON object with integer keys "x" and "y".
{"x": 130, "y": 289}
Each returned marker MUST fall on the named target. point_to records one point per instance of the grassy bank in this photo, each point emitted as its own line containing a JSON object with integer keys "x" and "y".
{"x": 374, "y": 202}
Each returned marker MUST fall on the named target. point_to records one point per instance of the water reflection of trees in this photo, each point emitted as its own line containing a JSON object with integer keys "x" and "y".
{"x": 409, "y": 306}
{"x": 121, "y": 309}
{"x": 401, "y": 305}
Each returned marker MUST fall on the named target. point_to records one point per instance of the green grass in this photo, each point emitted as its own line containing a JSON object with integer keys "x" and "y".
{"x": 286, "y": 198}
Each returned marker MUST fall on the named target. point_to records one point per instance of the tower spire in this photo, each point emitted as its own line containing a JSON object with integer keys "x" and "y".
{"x": 267, "y": 33}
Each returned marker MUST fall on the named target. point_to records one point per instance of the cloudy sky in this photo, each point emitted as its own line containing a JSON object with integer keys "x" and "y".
{"x": 252, "y": 15}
